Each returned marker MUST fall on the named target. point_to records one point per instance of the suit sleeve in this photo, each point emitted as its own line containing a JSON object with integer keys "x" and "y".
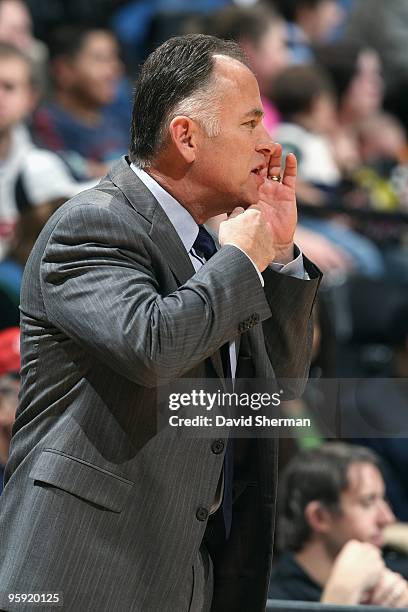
{"x": 289, "y": 330}
{"x": 100, "y": 286}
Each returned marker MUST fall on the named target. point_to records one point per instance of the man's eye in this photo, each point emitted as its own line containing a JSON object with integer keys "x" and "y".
{"x": 252, "y": 123}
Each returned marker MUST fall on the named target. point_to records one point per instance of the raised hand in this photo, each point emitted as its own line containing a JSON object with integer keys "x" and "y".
{"x": 277, "y": 200}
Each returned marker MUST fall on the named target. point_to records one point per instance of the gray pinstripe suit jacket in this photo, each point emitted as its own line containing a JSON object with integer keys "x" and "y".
{"x": 96, "y": 504}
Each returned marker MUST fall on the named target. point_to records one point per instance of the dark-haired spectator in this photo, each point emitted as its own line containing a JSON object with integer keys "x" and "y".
{"x": 331, "y": 526}
{"x": 78, "y": 123}
{"x": 9, "y": 388}
{"x": 356, "y": 74}
{"x": 383, "y": 29}
{"x": 260, "y": 31}
{"x": 309, "y": 23}
{"x": 304, "y": 96}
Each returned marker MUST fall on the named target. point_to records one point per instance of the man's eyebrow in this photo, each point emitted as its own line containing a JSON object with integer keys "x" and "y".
{"x": 255, "y": 112}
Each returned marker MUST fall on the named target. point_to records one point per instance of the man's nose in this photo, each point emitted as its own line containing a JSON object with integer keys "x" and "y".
{"x": 386, "y": 515}
{"x": 265, "y": 144}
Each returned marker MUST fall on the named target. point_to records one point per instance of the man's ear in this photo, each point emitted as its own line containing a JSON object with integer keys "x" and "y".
{"x": 318, "y": 517}
{"x": 183, "y": 132}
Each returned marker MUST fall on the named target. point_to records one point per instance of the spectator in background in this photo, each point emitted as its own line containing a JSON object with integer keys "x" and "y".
{"x": 356, "y": 75}
{"x": 29, "y": 177}
{"x": 33, "y": 182}
{"x": 382, "y": 145}
{"x": 309, "y": 22}
{"x": 385, "y": 30}
{"x": 332, "y": 519}
{"x": 77, "y": 123}
{"x": 16, "y": 28}
{"x": 260, "y": 31}
{"x": 304, "y": 96}
{"x": 9, "y": 388}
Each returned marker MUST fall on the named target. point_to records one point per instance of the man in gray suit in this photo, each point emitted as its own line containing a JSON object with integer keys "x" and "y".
{"x": 119, "y": 297}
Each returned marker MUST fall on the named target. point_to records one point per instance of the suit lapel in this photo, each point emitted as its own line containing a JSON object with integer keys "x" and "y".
{"x": 162, "y": 231}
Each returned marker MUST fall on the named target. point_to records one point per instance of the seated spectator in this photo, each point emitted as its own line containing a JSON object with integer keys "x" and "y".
{"x": 260, "y": 31}
{"x": 385, "y": 30}
{"x": 331, "y": 523}
{"x": 304, "y": 97}
{"x": 356, "y": 74}
{"x": 77, "y": 123}
{"x": 9, "y": 388}
{"x": 383, "y": 174}
{"x": 309, "y": 22}
{"x": 29, "y": 177}
{"x": 16, "y": 28}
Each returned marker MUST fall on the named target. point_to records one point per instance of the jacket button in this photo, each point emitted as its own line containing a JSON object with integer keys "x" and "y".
{"x": 202, "y": 514}
{"x": 217, "y": 447}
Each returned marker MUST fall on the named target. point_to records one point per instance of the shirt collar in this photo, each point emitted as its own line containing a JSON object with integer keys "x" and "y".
{"x": 180, "y": 218}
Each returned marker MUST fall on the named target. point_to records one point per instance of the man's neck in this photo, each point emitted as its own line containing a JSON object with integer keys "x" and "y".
{"x": 88, "y": 114}
{"x": 5, "y": 144}
{"x": 182, "y": 191}
{"x": 315, "y": 560}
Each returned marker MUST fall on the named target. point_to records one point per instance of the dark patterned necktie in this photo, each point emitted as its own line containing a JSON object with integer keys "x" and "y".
{"x": 204, "y": 245}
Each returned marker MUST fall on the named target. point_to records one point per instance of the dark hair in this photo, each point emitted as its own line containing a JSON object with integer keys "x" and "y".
{"x": 240, "y": 23}
{"x": 175, "y": 70}
{"x": 69, "y": 40}
{"x": 8, "y": 51}
{"x": 319, "y": 474}
{"x": 295, "y": 89}
{"x": 289, "y": 8}
{"x": 340, "y": 60}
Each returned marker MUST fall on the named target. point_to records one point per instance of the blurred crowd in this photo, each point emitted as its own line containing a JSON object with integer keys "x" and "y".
{"x": 332, "y": 76}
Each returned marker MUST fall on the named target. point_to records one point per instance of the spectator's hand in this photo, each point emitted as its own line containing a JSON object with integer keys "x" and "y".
{"x": 327, "y": 256}
{"x": 391, "y": 590}
{"x": 277, "y": 200}
{"x": 356, "y": 570}
{"x": 249, "y": 230}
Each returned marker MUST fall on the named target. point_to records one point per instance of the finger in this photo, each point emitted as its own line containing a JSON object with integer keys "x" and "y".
{"x": 237, "y": 211}
{"x": 395, "y": 592}
{"x": 402, "y": 602}
{"x": 385, "y": 590}
{"x": 275, "y": 161}
{"x": 290, "y": 172}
